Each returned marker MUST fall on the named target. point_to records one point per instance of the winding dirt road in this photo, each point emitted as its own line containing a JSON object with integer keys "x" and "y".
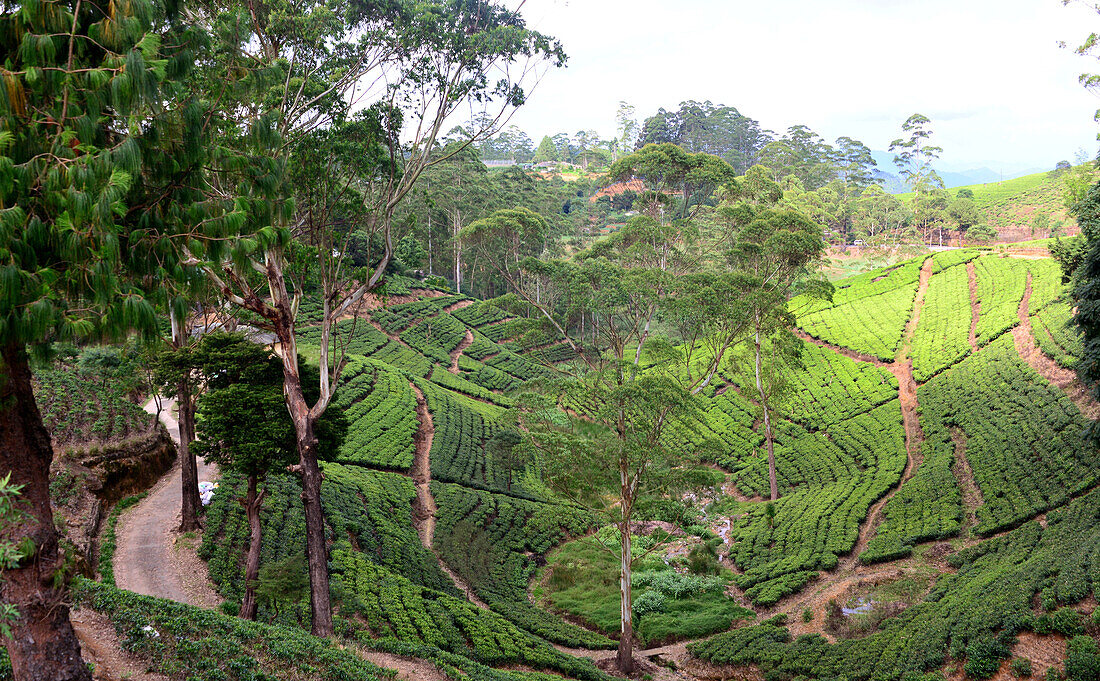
{"x": 152, "y": 558}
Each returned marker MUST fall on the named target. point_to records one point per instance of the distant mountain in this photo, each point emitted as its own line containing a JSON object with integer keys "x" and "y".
{"x": 951, "y": 178}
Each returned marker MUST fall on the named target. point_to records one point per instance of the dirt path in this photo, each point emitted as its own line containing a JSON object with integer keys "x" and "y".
{"x": 424, "y": 509}
{"x": 902, "y": 369}
{"x": 458, "y": 306}
{"x": 152, "y": 557}
{"x": 975, "y": 306}
{"x": 408, "y": 668}
{"x": 971, "y": 493}
{"x": 1062, "y": 378}
{"x": 457, "y": 352}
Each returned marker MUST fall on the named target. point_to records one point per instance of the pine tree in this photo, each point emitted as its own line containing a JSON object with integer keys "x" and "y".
{"x": 83, "y": 93}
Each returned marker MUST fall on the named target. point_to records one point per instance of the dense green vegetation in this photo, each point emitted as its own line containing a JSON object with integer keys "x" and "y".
{"x": 942, "y": 335}
{"x": 669, "y": 604}
{"x": 1056, "y": 335}
{"x": 830, "y": 481}
{"x": 972, "y": 614}
{"x": 1022, "y": 465}
{"x": 1000, "y": 287}
{"x": 849, "y": 322}
{"x": 81, "y": 408}
{"x": 492, "y": 540}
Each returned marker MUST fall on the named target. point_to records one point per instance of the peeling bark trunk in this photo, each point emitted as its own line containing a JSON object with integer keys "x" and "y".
{"x": 310, "y": 471}
{"x": 625, "y": 659}
{"x": 252, "y": 503}
{"x": 43, "y": 645}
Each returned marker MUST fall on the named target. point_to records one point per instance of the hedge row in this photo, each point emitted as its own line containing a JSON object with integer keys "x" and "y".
{"x": 942, "y": 337}
{"x": 973, "y": 614}
{"x": 828, "y": 482}
{"x": 493, "y": 542}
{"x": 1056, "y": 334}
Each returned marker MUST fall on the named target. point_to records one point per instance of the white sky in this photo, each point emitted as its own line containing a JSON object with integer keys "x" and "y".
{"x": 988, "y": 73}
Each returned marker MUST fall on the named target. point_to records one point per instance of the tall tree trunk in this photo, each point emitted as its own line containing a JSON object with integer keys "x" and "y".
{"x": 43, "y": 645}
{"x": 189, "y": 470}
{"x": 773, "y": 483}
{"x": 625, "y": 659}
{"x": 316, "y": 549}
{"x": 457, "y": 224}
{"x": 252, "y": 504}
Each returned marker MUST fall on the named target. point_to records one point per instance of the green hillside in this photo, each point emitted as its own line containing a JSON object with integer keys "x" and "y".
{"x": 1010, "y": 206}
{"x": 903, "y": 436}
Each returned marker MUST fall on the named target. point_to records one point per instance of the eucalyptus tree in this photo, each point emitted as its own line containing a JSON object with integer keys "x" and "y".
{"x": 914, "y": 155}
{"x": 294, "y": 70}
{"x": 776, "y": 252}
{"x": 600, "y": 426}
{"x": 667, "y": 170}
{"x": 89, "y": 93}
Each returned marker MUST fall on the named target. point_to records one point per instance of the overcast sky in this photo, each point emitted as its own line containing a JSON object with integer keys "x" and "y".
{"x": 989, "y": 73}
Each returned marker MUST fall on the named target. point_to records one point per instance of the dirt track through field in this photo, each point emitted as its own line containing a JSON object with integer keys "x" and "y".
{"x": 425, "y": 509}
{"x": 1062, "y": 378}
{"x": 152, "y": 557}
{"x": 902, "y": 369}
{"x": 457, "y": 352}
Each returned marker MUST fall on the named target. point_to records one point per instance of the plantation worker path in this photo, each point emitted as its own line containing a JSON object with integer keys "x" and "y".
{"x": 425, "y": 508}
{"x": 1060, "y": 377}
{"x": 152, "y": 557}
{"x": 902, "y": 369}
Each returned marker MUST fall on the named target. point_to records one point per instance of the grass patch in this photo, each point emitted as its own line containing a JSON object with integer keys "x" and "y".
{"x": 670, "y": 604}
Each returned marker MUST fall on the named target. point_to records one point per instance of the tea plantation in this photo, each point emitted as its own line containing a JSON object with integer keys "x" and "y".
{"x": 870, "y": 472}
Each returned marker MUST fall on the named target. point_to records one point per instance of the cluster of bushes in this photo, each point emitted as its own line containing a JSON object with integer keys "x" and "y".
{"x": 360, "y": 338}
{"x": 1000, "y": 287}
{"x": 1023, "y": 463}
{"x": 942, "y": 336}
{"x": 1046, "y": 283}
{"x": 493, "y": 542}
{"x": 959, "y": 256}
{"x": 181, "y": 641}
{"x": 480, "y": 313}
{"x": 517, "y": 366}
{"x": 463, "y": 426}
{"x": 82, "y": 405}
{"x": 870, "y": 325}
{"x": 486, "y": 376}
{"x": 460, "y": 384}
{"x": 396, "y": 318}
{"x": 482, "y": 347}
{"x": 368, "y": 511}
{"x": 551, "y": 354}
{"x": 831, "y": 387}
{"x": 668, "y": 605}
{"x": 435, "y": 337}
